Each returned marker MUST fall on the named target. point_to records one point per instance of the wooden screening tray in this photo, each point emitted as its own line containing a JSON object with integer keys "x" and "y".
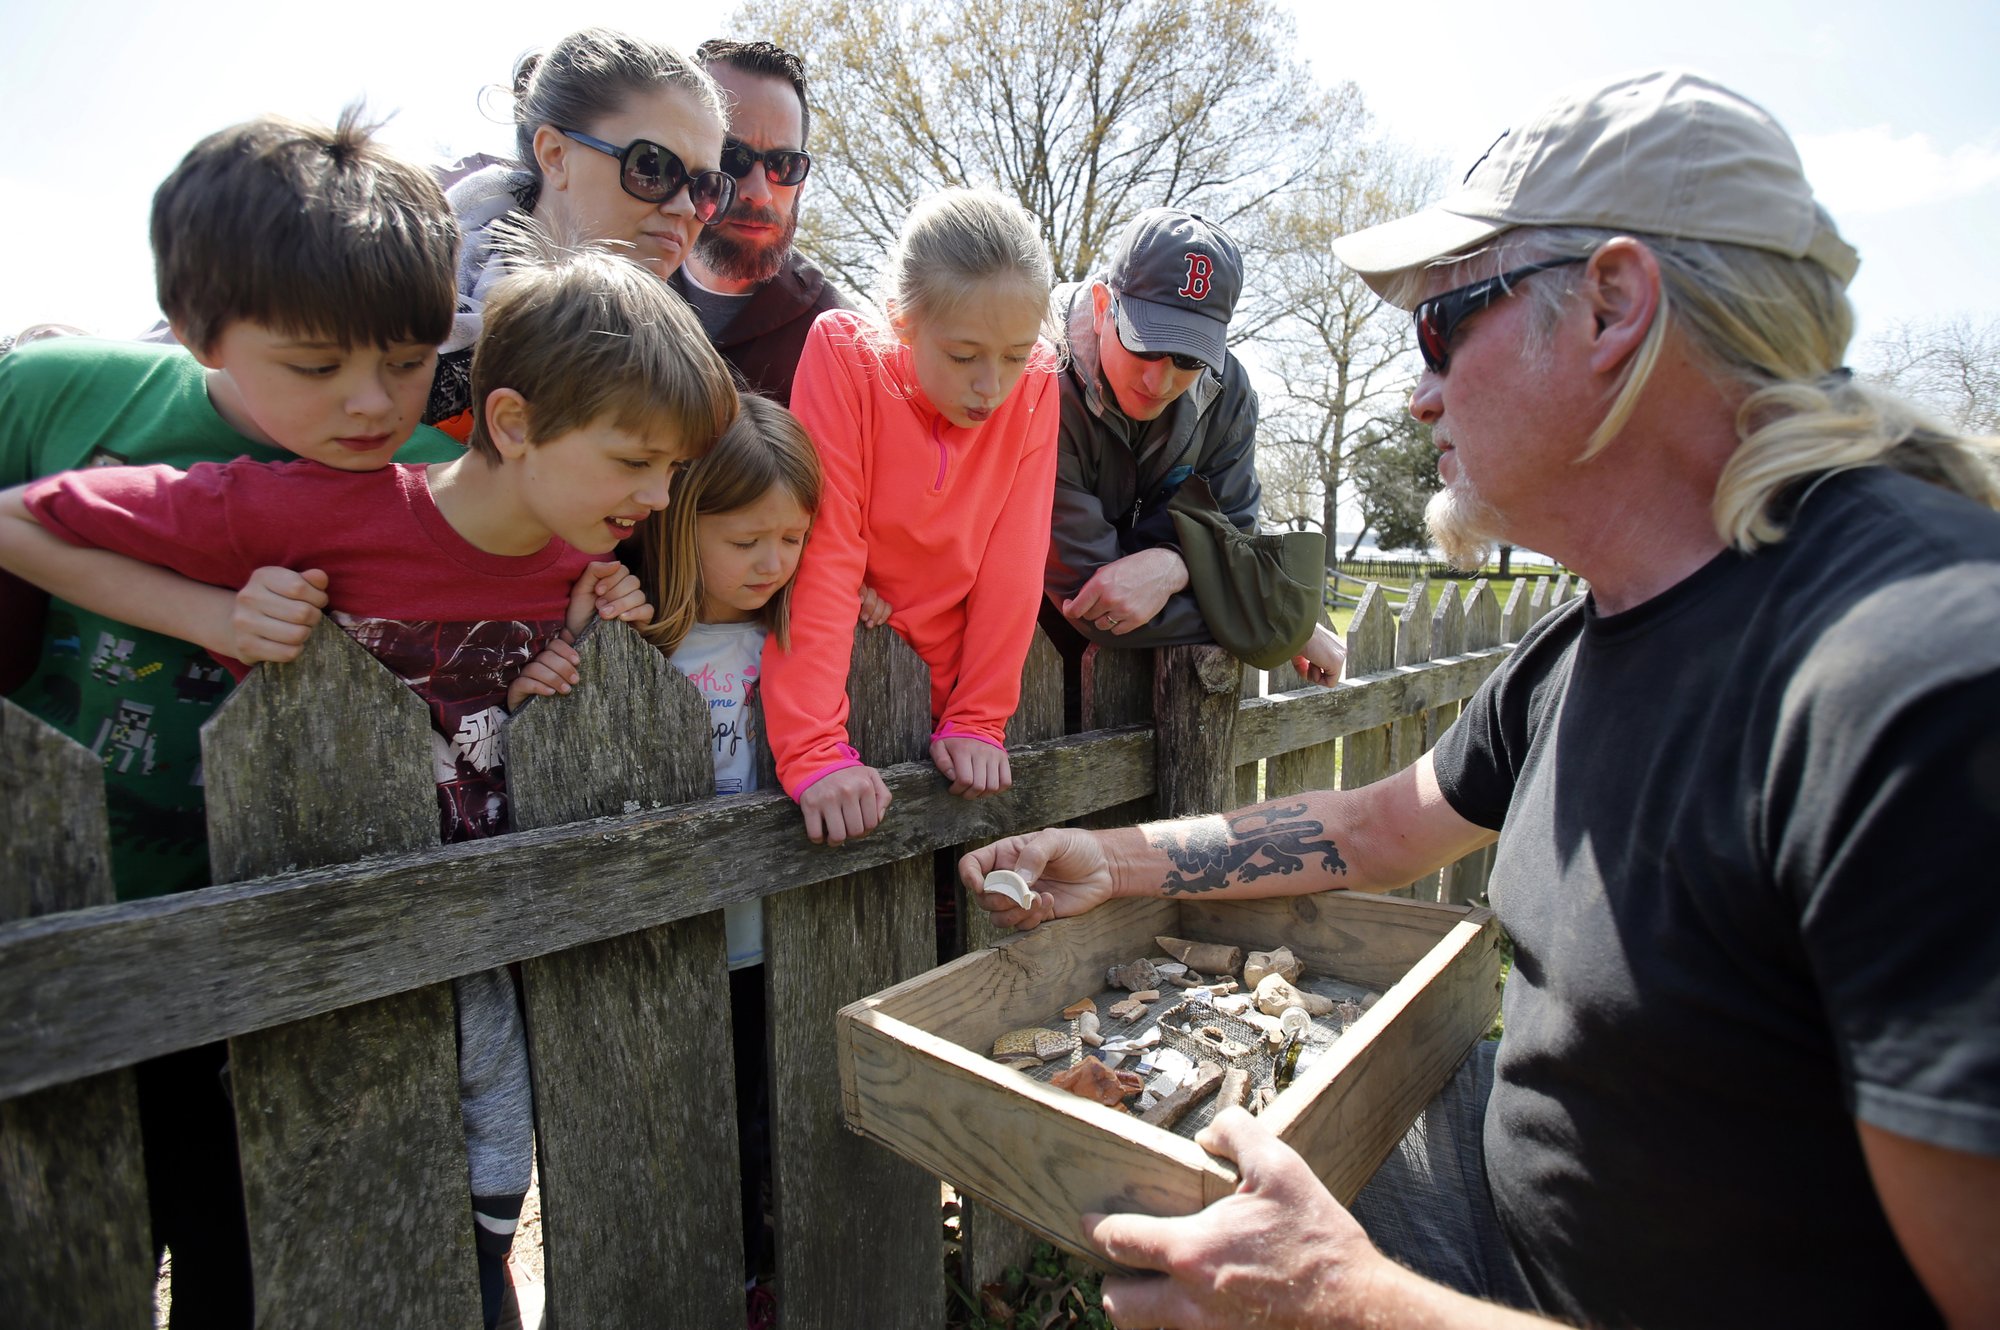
{"x": 915, "y": 1077}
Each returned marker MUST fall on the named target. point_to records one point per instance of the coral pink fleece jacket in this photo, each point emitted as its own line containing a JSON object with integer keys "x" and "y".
{"x": 949, "y": 525}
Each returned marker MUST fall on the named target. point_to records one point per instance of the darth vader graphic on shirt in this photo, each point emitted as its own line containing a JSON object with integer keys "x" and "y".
{"x": 461, "y": 670}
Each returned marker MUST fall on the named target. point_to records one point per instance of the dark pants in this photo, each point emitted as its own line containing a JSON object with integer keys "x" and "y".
{"x": 195, "y": 1187}
{"x": 753, "y": 1110}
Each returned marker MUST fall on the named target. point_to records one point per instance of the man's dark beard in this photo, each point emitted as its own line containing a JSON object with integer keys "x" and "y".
{"x": 737, "y": 261}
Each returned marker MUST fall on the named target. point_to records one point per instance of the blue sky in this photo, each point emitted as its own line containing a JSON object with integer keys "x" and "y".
{"x": 1896, "y": 109}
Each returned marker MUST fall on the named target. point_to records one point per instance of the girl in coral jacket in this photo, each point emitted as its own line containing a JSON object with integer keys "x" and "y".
{"x": 937, "y": 433}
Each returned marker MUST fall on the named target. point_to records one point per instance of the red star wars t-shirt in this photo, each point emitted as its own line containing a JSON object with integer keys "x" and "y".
{"x": 453, "y": 622}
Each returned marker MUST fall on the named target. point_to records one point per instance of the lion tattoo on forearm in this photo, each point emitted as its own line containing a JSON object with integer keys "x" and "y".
{"x": 1256, "y": 843}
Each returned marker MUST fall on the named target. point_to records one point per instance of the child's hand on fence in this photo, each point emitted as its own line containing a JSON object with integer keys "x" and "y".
{"x": 1065, "y": 868}
{"x": 974, "y": 767}
{"x": 844, "y": 804}
{"x": 275, "y": 613}
{"x": 553, "y": 672}
{"x": 875, "y": 611}
{"x": 1324, "y": 657}
{"x": 607, "y": 590}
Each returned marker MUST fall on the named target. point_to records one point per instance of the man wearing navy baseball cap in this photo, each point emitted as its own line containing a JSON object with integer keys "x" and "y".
{"x": 1151, "y": 397}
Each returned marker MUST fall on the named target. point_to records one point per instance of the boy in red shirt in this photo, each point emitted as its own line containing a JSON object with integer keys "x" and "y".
{"x": 592, "y": 382}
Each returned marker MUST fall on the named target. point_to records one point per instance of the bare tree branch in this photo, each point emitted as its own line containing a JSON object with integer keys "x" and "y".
{"x": 1950, "y": 365}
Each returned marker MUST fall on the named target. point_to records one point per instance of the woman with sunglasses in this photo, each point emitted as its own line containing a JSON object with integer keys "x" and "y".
{"x": 617, "y": 140}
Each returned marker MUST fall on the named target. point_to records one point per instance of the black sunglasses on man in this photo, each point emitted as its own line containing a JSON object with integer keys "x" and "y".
{"x": 782, "y": 166}
{"x": 1438, "y": 318}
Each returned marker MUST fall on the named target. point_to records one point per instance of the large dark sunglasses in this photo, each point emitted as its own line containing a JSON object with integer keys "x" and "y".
{"x": 653, "y": 174}
{"x": 1438, "y": 318}
{"x": 782, "y": 166}
{"x": 1182, "y": 363}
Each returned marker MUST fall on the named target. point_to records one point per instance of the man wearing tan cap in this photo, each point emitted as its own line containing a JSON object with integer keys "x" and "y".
{"x": 1746, "y": 793}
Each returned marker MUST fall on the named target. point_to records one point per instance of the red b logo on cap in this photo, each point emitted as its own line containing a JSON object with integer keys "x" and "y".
{"x": 1201, "y": 269}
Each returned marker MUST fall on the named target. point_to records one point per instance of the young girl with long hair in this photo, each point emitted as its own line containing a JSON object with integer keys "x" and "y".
{"x": 721, "y": 560}
{"x": 937, "y": 432}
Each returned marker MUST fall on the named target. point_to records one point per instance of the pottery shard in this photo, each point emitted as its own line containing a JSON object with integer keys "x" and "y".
{"x": 1280, "y": 962}
{"x": 1131, "y": 1009}
{"x": 1275, "y": 993}
{"x": 1077, "y": 1008}
{"x": 1095, "y": 1081}
{"x": 1208, "y": 957}
{"x": 1145, "y": 995}
{"x": 1133, "y": 975}
{"x": 1030, "y": 1046}
{"x": 1207, "y": 1077}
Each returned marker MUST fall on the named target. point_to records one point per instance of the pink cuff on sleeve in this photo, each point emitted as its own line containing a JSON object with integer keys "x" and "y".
{"x": 948, "y": 730}
{"x": 850, "y": 757}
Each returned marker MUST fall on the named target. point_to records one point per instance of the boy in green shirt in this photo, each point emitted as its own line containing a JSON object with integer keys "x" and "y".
{"x": 309, "y": 273}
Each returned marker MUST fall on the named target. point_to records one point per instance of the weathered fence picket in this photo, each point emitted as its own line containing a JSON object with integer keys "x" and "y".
{"x": 848, "y": 1210}
{"x": 1371, "y": 649}
{"x": 71, "y": 1177}
{"x": 322, "y": 762}
{"x": 633, "y": 1115}
{"x": 327, "y": 966}
{"x": 989, "y": 1243}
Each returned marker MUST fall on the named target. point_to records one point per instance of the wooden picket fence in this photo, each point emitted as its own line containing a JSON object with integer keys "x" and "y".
{"x": 325, "y": 956}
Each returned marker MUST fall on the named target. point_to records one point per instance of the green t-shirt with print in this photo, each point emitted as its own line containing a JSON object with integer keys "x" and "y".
{"x": 134, "y": 698}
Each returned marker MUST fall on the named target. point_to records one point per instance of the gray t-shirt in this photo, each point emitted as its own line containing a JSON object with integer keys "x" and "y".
{"x": 1746, "y": 834}
{"x": 721, "y": 661}
{"x": 715, "y": 309}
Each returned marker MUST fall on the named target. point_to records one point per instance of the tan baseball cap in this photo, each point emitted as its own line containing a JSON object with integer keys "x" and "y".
{"x": 1664, "y": 153}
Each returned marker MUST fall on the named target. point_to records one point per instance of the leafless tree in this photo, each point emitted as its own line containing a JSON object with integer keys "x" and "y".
{"x": 1343, "y": 360}
{"x": 1951, "y": 365}
{"x": 1087, "y": 111}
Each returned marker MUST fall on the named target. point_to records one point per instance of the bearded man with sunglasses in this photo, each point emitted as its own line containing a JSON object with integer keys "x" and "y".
{"x": 1150, "y": 398}
{"x": 1746, "y": 793}
{"x": 755, "y": 294}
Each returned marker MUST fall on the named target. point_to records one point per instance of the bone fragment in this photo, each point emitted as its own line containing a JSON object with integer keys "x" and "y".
{"x": 1207, "y": 1078}
{"x": 1275, "y": 993}
{"x": 1086, "y": 1029}
{"x": 1280, "y": 962}
{"x": 1210, "y": 957}
{"x": 1235, "y": 1085}
{"x": 1265, "y": 1094}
